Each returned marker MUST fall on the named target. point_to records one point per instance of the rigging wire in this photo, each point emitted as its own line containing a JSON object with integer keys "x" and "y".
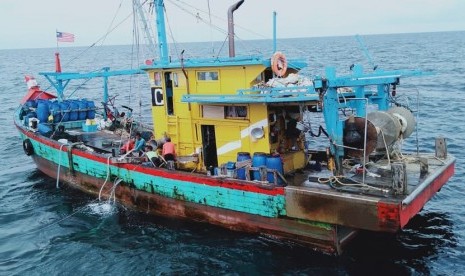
{"x": 171, "y": 34}
{"x": 111, "y": 23}
{"x": 210, "y": 19}
{"x": 99, "y": 41}
{"x": 135, "y": 38}
{"x": 102, "y": 38}
{"x": 223, "y": 31}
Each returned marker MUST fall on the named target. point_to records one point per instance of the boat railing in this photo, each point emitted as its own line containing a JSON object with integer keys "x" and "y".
{"x": 262, "y": 94}
{"x": 278, "y": 91}
{"x": 268, "y": 95}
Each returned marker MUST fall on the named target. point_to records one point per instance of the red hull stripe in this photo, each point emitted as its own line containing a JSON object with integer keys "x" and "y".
{"x": 396, "y": 215}
{"x": 236, "y": 185}
{"x": 408, "y": 211}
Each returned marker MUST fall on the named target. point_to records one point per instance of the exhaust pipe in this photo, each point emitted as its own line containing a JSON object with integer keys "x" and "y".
{"x": 231, "y": 10}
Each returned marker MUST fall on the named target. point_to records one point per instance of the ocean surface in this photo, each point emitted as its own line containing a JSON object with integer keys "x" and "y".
{"x": 50, "y": 231}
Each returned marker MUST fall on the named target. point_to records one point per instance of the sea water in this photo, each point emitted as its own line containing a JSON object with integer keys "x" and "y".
{"x": 50, "y": 231}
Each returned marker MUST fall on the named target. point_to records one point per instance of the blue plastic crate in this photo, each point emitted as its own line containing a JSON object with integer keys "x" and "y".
{"x": 89, "y": 128}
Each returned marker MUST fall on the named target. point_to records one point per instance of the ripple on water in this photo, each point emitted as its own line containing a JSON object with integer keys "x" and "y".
{"x": 103, "y": 209}
{"x": 44, "y": 230}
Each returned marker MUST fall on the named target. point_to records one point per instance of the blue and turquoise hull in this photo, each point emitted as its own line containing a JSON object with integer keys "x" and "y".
{"x": 233, "y": 204}
{"x": 324, "y": 218}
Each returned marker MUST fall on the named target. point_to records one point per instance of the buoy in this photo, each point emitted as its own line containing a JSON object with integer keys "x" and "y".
{"x": 279, "y": 64}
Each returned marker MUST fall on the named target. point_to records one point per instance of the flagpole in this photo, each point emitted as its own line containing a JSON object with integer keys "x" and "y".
{"x": 56, "y": 37}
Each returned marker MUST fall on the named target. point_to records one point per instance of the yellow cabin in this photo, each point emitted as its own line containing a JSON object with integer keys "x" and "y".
{"x": 214, "y": 111}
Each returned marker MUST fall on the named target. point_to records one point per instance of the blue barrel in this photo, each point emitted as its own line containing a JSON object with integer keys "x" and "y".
{"x": 274, "y": 162}
{"x": 64, "y": 111}
{"x": 259, "y": 159}
{"x": 45, "y": 129}
{"x": 82, "y": 114}
{"x": 42, "y": 110}
{"x": 55, "y": 111}
{"x": 31, "y": 104}
{"x": 30, "y": 114}
{"x": 90, "y": 110}
{"x": 74, "y": 110}
{"x": 242, "y": 156}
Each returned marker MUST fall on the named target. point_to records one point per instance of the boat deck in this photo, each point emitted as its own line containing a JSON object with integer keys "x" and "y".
{"x": 373, "y": 201}
{"x": 378, "y": 203}
{"x": 102, "y": 141}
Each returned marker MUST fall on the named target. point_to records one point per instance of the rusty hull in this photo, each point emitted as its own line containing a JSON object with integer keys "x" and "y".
{"x": 321, "y": 237}
{"x": 388, "y": 213}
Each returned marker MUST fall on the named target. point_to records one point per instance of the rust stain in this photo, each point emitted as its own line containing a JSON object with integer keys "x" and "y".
{"x": 347, "y": 212}
{"x": 388, "y": 215}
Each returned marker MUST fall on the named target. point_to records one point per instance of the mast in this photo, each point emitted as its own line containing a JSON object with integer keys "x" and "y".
{"x": 161, "y": 31}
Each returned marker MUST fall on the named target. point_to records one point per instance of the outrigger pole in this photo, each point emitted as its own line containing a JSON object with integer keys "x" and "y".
{"x": 60, "y": 80}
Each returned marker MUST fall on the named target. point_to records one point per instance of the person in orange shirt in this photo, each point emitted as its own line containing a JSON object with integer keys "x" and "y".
{"x": 169, "y": 152}
{"x": 128, "y": 146}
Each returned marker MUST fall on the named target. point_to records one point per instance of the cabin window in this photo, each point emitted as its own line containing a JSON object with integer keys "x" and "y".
{"x": 157, "y": 79}
{"x": 235, "y": 112}
{"x": 175, "y": 80}
{"x": 213, "y": 111}
{"x": 207, "y": 76}
{"x": 224, "y": 112}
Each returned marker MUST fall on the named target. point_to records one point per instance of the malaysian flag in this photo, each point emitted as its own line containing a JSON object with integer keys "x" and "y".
{"x": 65, "y": 37}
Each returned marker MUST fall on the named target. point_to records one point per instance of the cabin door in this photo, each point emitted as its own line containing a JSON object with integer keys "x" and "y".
{"x": 210, "y": 157}
{"x": 169, "y": 94}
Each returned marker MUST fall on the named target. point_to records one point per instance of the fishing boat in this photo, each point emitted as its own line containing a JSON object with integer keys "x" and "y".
{"x": 240, "y": 127}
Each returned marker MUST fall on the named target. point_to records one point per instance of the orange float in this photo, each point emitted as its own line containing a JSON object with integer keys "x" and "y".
{"x": 279, "y": 64}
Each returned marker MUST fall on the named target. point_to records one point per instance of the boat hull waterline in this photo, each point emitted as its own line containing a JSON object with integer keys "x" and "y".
{"x": 311, "y": 218}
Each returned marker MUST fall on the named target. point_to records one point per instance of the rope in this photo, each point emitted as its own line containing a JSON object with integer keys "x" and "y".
{"x": 386, "y": 147}
{"x": 59, "y": 220}
{"x": 59, "y": 165}
{"x": 106, "y": 179}
{"x": 113, "y": 190}
{"x": 337, "y": 179}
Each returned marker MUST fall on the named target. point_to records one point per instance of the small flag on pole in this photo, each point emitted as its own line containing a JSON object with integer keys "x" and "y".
{"x": 65, "y": 37}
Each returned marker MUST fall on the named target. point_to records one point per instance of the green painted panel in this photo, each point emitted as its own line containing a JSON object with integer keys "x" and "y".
{"x": 237, "y": 200}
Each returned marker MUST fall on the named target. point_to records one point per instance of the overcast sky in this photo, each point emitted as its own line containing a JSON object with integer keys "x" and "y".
{"x": 32, "y": 23}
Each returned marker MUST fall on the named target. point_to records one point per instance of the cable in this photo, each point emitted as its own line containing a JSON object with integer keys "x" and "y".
{"x": 106, "y": 179}
{"x": 59, "y": 220}
{"x": 171, "y": 34}
{"x": 337, "y": 179}
{"x": 210, "y": 19}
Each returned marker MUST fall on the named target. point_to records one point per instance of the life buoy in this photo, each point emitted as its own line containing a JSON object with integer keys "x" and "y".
{"x": 27, "y": 147}
{"x": 279, "y": 64}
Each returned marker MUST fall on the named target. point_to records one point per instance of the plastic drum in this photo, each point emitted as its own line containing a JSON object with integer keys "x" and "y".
{"x": 259, "y": 159}
{"x": 42, "y": 110}
{"x": 90, "y": 110}
{"x": 242, "y": 156}
{"x": 274, "y": 162}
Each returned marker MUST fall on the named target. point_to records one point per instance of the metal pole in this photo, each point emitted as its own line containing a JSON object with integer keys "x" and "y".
{"x": 105, "y": 91}
{"x": 274, "y": 32}
{"x": 231, "y": 10}
{"x": 161, "y": 31}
